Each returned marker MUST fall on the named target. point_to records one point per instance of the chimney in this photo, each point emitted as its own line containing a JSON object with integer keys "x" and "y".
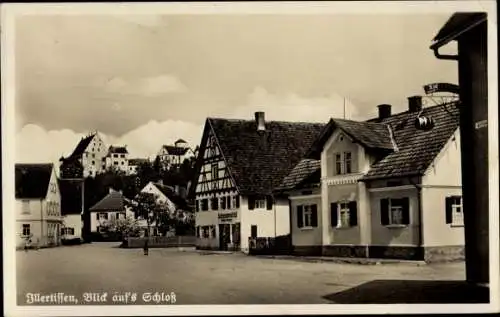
{"x": 415, "y": 103}
{"x": 261, "y": 122}
{"x": 384, "y": 111}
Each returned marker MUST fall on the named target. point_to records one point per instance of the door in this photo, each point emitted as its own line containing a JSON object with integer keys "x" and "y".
{"x": 224, "y": 238}
{"x": 253, "y": 231}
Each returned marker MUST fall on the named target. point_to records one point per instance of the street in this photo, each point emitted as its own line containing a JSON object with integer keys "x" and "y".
{"x": 200, "y": 278}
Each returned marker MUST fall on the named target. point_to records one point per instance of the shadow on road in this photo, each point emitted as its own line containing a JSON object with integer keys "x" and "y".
{"x": 411, "y": 292}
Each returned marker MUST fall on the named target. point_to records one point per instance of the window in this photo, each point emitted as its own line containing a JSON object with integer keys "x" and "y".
{"x": 228, "y": 202}
{"x": 204, "y": 204}
{"x": 93, "y": 162}
{"x": 26, "y": 230}
{"x": 223, "y": 201}
{"x": 122, "y": 156}
{"x": 260, "y": 204}
{"x": 197, "y": 231}
{"x": 454, "y": 211}
{"x": 307, "y": 216}
{"x": 253, "y": 231}
{"x": 347, "y": 162}
{"x": 26, "y": 207}
{"x": 215, "y": 203}
{"x": 197, "y": 205}
{"x": 236, "y": 201}
{"x": 102, "y": 216}
{"x": 115, "y": 163}
{"x": 395, "y": 211}
{"x": 123, "y": 163}
{"x": 213, "y": 232}
{"x": 215, "y": 171}
{"x": 206, "y": 232}
{"x": 338, "y": 164}
{"x": 93, "y": 155}
{"x": 115, "y": 155}
{"x": 343, "y": 214}
{"x": 67, "y": 231}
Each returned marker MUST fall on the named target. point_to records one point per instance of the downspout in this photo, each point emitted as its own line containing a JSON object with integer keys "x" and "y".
{"x": 41, "y": 218}
{"x": 420, "y": 216}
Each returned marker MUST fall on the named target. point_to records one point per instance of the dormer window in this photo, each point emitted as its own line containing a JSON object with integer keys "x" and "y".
{"x": 343, "y": 163}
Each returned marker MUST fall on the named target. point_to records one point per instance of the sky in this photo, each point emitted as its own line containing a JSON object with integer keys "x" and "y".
{"x": 148, "y": 80}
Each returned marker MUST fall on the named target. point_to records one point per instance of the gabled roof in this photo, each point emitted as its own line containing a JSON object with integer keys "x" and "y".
{"x": 180, "y": 141}
{"x": 457, "y": 25}
{"x": 306, "y": 172}
{"x": 368, "y": 134}
{"x": 258, "y": 160}
{"x": 170, "y": 193}
{"x": 117, "y": 150}
{"x": 71, "y": 196}
{"x": 32, "y": 180}
{"x": 416, "y": 148}
{"x": 113, "y": 201}
{"x": 175, "y": 150}
{"x": 81, "y": 146}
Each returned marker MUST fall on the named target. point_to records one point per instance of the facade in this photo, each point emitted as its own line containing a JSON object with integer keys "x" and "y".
{"x": 110, "y": 208}
{"x": 71, "y": 209}
{"x": 239, "y": 163}
{"x": 38, "y": 205}
{"x": 90, "y": 153}
{"x": 133, "y": 165}
{"x": 386, "y": 188}
{"x": 470, "y": 31}
{"x": 174, "y": 155}
{"x": 116, "y": 159}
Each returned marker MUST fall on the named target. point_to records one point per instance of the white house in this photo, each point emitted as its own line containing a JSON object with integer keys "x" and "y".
{"x": 133, "y": 165}
{"x": 117, "y": 159}
{"x": 174, "y": 155}
{"x": 90, "y": 152}
{"x": 389, "y": 187}
{"x": 109, "y": 208}
{"x": 38, "y": 205}
{"x": 239, "y": 163}
{"x": 71, "y": 209}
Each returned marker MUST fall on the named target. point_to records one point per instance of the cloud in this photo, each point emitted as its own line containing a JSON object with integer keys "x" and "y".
{"x": 293, "y": 107}
{"x": 34, "y": 144}
{"x": 149, "y": 86}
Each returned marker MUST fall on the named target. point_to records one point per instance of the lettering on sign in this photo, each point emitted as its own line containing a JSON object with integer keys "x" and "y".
{"x": 481, "y": 124}
{"x": 441, "y": 87}
{"x": 228, "y": 215}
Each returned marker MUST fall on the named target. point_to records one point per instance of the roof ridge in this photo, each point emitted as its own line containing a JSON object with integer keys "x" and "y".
{"x": 267, "y": 121}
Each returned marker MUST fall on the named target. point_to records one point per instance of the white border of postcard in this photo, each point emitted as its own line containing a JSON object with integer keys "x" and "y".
{"x": 10, "y": 11}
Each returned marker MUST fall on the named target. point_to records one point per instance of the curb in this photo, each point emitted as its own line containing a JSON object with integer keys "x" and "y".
{"x": 357, "y": 261}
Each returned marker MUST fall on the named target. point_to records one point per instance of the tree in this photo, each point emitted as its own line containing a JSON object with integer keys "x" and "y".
{"x": 127, "y": 227}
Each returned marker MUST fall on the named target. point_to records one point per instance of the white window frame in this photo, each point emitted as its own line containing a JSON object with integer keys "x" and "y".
{"x": 340, "y": 158}
{"x": 26, "y": 233}
{"x": 307, "y": 216}
{"x": 392, "y": 210}
{"x": 26, "y": 208}
{"x": 343, "y": 209}
{"x": 457, "y": 212}
{"x": 260, "y": 203}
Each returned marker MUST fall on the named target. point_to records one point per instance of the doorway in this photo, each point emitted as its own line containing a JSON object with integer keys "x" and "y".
{"x": 224, "y": 236}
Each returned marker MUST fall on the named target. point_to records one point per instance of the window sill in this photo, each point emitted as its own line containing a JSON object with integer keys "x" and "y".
{"x": 396, "y": 226}
{"x": 342, "y": 227}
{"x": 457, "y": 225}
{"x": 306, "y": 228}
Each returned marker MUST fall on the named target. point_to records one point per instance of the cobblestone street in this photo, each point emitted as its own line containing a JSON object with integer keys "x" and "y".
{"x": 201, "y": 278}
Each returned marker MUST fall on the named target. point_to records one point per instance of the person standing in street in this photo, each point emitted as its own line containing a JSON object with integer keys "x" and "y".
{"x": 146, "y": 246}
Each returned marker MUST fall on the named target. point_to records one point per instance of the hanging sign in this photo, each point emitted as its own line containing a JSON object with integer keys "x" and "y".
{"x": 441, "y": 87}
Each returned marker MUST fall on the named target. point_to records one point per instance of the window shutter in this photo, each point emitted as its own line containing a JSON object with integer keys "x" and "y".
{"x": 197, "y": 205}
{"x": 251, "y": 202}
{"x": 314, "y": 215}
{"x": 223, "y": 203}
{"x": 269, "y": 201}
{"x": 406, "y": 210}
{"x": 448, "y": 209}
{"x": 384, "y": 211}
{"x": 353, "y": 214}
{"x": 237, "y": 201}
{"x": 215, "y": 203}
{"x": 300, "y": 220}
{"x": 333, "y": 214}
{"x": 228, "y": 202}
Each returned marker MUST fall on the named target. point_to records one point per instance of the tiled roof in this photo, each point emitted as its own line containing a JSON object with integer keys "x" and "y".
{"x": 458, "y": 23}
{"x": 32, "y": 180}
{"x": 180, "y": 141}
{"x": 137, "y": 161}
{"x": 300, "y": 174}
{"x": 114, "y": 201}
{"x": 82, "y": 145}
{"x": 416, "y": 148}
{"x": 259, "y": 160}
{"x": 174, "y": 150}
{"x": 170, "y": 193}
{"x": 71, "y": 196}
{"x": 118, "y": 149}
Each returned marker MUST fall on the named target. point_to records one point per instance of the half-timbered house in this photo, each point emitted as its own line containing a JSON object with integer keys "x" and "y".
{"x": 239, "y": 164}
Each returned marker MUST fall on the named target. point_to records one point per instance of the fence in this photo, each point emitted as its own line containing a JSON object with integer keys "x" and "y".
{"x": 160, "y": 242}
{"x": 279, "y": 245}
